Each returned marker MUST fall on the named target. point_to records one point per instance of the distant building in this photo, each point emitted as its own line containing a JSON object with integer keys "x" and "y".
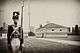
{"x": 3, "y": 30}
{"x": 76, "y": 30}
{"x": 52, "y": 30}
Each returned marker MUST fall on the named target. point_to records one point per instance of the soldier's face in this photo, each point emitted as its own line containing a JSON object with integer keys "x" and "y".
{"x": 15, "y": 21}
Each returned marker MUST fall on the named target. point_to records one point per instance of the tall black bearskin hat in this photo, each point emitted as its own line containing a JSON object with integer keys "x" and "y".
{"x": 16, "y": 16}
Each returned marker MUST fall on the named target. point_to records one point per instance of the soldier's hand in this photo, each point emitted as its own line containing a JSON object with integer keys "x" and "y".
{"x": 22, "y": 45}
{"x": 21, "y": 28}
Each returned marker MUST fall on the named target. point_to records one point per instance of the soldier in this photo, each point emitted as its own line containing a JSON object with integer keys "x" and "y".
{"x": 15, "y": 31}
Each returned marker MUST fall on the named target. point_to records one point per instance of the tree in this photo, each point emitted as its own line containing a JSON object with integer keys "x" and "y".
{"x": 31, "y": 34}
{"x": 76, "y": 30}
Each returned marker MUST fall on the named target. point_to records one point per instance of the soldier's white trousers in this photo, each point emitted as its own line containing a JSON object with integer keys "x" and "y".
{"x": 15, "y": 43}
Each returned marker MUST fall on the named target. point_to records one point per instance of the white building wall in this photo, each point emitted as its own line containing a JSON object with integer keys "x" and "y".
{"x": 49, "y": 33}
{"x": 57, "y": 30}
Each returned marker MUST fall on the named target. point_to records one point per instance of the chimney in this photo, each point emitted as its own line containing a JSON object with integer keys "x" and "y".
{"x": 40, "y": 25}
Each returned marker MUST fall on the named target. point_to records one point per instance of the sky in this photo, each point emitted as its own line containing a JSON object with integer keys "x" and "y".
{"x": 62, "y": 12}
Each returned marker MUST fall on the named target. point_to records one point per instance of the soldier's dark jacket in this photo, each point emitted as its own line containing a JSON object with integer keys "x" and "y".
{"x": 10, "y": 35}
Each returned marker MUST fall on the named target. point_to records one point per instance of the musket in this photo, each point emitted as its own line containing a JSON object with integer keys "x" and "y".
{"x": 22, "y": 18}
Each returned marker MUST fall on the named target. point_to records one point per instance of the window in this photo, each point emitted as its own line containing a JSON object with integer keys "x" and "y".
{"x": 60, "y": 29}
{"x": 52, "y": 29}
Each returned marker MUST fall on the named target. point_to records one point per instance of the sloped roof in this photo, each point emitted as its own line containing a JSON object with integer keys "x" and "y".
{"x": 52, "y": 25}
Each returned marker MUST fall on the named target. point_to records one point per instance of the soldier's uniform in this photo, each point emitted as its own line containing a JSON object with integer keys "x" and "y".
{"x": 15, "y": 32}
